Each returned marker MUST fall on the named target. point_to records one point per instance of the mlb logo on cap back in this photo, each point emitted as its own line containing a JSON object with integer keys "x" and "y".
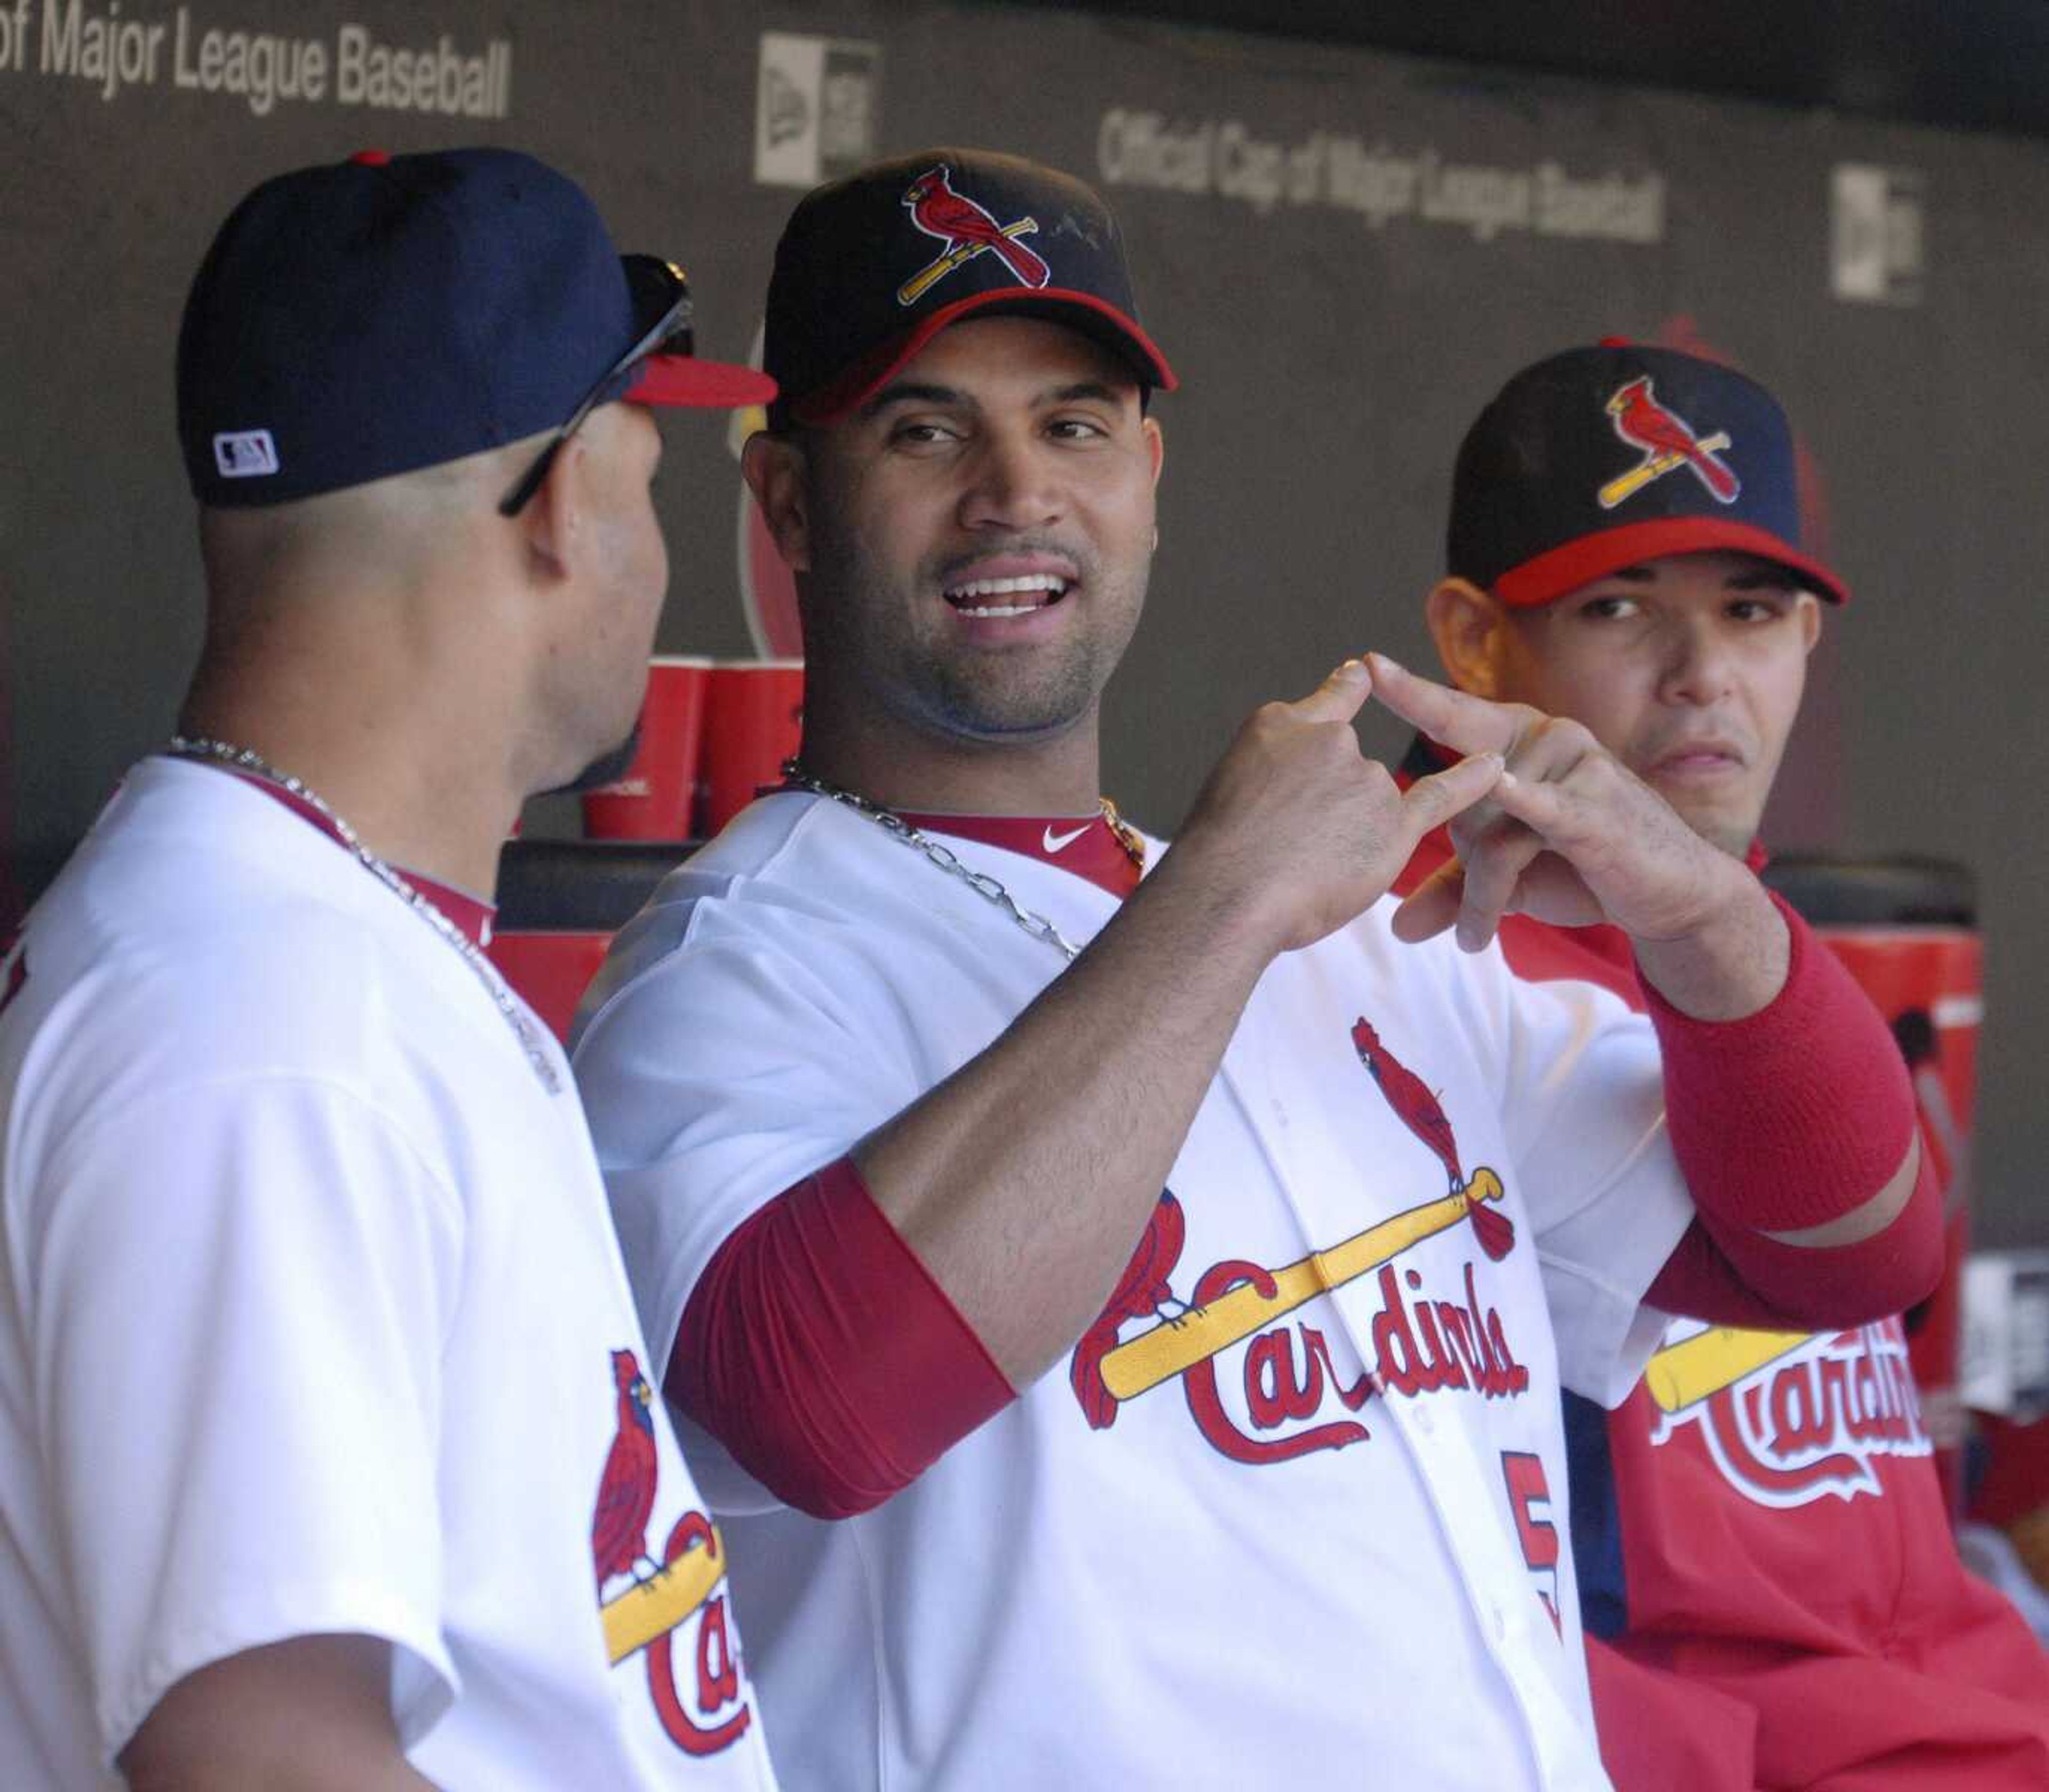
{"x": 245, "y": 454}
{"x": 1601, "y": 458}
{"x": 870, "y": 269}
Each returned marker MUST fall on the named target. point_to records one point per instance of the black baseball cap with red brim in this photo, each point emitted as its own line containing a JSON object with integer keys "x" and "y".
{"x": 871, "y": 268}
{"x": 1601, "y": 458}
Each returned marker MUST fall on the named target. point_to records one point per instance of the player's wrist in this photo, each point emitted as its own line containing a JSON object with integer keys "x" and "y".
{"x": 1212, "y": 912}
{"x": 1730, "y": 960}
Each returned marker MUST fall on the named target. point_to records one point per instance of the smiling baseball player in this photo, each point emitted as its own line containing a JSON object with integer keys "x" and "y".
{"x": 1764, "y": 1553}
{"x": 329, "y": 1455}
{"x": 1119, "y": 1293}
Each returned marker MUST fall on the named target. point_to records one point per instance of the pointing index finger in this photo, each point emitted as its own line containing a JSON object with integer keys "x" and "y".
{"x": 1464, "y": 723}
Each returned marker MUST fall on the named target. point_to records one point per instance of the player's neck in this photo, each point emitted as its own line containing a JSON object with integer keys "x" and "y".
{"x": 417, "y": 797}
{"x": 904, "y": 768}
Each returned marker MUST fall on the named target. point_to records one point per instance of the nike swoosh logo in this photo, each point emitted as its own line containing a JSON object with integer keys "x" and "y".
{"x": 1054, "y": 842}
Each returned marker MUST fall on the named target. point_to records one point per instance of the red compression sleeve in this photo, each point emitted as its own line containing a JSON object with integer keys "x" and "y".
{"x": 819, "y": 1350}
{"x": 1770, "y": 1287}
{"x": 1789, "y": 1118}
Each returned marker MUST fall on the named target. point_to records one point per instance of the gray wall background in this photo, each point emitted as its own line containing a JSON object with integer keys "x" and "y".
{"x": 1329, "y": 366}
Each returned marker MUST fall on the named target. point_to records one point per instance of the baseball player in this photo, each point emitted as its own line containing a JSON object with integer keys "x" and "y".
{"x": 1123, "y": 1317}
{"x": 329, "y": 1455}
{"x": 1763, "y": 1551}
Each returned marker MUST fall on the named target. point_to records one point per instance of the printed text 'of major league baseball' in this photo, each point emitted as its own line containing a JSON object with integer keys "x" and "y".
{"x": 115, "y": 54}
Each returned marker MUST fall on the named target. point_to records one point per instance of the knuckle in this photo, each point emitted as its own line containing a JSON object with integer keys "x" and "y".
{"x": 1265, "y": 725}
{"x": 1567, "y": 736}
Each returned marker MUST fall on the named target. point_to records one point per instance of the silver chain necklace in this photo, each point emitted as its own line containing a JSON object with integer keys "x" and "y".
{"x": 246, "y": 758}
{"x": 944, "y": 857}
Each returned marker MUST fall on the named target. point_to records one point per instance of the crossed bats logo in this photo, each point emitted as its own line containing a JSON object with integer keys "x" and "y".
{"x": 1668, "y": 442}
{"x": 967, "y": 230}
{"x": 1106, "y": 1369}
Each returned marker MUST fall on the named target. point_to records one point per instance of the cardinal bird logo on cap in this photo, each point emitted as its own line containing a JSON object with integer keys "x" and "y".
{"x": 1418, "y": 1109}
{"x": 966, "y": 229}
{"x": 1668, "y": 442}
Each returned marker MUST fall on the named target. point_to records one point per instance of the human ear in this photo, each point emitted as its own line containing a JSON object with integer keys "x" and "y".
{"x": 1811, "y": 619}
{"x": 1466, "y": 624}
{"x": 552, "y": 520}
{"x": 774, "y": 468}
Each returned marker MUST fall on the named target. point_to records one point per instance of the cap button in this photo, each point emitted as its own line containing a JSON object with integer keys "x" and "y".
{"x": 370, "y": 158}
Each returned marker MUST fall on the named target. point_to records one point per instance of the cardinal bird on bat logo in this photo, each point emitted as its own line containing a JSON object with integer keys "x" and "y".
{"x": 1418, "y": 1109}
{"x": 626, "y": 1488}
{"x": 1668, "y": 442}
{"x": 966, "y": 229}
{"x": 1142, "y": 1290}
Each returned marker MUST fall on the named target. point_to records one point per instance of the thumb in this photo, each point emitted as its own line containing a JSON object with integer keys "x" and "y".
{"x": 1339, "y": 697}
{"x": 1431, "y": 802}
{"x": 1433, "y": 906}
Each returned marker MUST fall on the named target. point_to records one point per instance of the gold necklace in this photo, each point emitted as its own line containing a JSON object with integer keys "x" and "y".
{"x": 1127, "y": 837}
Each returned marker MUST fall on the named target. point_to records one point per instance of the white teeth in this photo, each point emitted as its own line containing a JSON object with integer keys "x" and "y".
{"x": 1001, "y": 609}
{"x": 1049, "y": 582}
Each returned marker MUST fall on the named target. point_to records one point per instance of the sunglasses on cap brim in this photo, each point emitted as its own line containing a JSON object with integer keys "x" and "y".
{"x": 658, "y": 289}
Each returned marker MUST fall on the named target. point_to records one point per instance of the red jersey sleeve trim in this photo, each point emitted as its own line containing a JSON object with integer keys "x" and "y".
{"x": 818, "y": 1349}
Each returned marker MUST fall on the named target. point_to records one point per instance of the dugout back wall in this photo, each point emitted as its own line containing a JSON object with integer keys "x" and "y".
{"x": 1343, "y": 253}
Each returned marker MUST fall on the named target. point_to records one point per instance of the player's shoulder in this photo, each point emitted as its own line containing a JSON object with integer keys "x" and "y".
{"x": 791, "y": 874}
{"x": 199, "y": 931}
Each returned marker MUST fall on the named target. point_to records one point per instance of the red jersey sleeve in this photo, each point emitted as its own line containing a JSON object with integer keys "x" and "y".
{"x": 819, "y": 1350}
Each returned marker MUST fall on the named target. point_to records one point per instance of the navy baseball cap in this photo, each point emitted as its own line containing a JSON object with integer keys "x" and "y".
{"x": 871, "y": 268}
{"x": 374, "y": 317}
{"x": 1601, "y": 458}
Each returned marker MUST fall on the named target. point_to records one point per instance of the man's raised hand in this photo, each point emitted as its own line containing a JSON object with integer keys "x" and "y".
{"x": 1568, "y": 834}
{"x": 1299, "y": 830}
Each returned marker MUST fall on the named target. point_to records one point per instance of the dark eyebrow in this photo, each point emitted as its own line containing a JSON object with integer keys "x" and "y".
{"x": 1101, "y": 390}
{"x": 907, "y": 392}
{"x": 1764, "y": 578}
{"x": 1634, "y": 575}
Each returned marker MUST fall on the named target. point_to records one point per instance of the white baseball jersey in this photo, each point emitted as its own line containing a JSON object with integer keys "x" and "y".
{"x": 311, "y": 1319}
{"x": 1294, "y": 1514}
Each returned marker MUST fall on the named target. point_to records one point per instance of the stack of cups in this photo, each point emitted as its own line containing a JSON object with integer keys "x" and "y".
{"x": 655, "y": 798}
{"x": 753, "y": 721}
{"x": 712, "y": 734}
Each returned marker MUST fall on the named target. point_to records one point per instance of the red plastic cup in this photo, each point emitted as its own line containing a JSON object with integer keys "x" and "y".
{"x": 753, "y": 719}
{"x": 652, "y": 801}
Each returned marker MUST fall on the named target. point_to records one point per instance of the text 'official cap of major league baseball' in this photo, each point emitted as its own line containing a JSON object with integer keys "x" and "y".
{"x": 1601, "y": 458}
{"x": 373, "y": 317}
{"x": 871, "y": 268}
